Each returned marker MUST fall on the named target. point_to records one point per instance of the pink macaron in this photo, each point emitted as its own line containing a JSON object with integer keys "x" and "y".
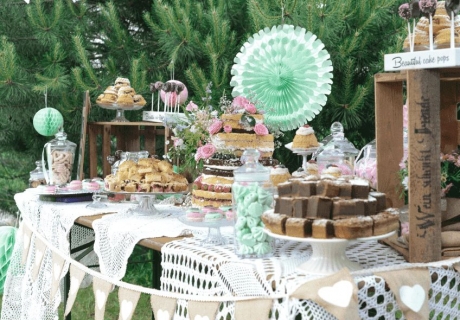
{"x": 74, "y": 185}
{"x": 194, "y": 215}
{"x": 91, "y": 186}
{"x": 47, "y": 189}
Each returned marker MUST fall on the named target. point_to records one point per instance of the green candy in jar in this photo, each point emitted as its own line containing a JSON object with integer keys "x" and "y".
{"x": 252, "y": 195}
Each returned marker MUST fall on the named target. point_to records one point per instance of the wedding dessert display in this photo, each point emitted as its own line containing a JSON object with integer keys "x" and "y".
{"x": 342, "y": 208}
{"x": 239, "y": 128}
{"x": 147, "y": 175}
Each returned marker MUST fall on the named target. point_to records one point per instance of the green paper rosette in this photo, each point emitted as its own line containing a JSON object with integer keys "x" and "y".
{"x": 288, "y": 71}
{"x": 7, "y": 240}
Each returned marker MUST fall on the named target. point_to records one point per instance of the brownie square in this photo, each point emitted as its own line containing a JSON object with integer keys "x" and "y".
{"x": 299, "y": 207}
{"x": 319, "y": 207}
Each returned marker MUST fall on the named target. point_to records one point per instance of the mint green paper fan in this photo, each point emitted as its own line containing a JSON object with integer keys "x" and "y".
{"x": 7, "y": 240}
{"x": 288, "y": 71}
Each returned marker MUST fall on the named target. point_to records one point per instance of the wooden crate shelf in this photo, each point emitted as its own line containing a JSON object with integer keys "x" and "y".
{"x": 432, "y": 97}
{"x": 129, "y": 136}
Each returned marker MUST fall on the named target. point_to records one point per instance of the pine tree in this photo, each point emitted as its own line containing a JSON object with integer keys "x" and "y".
{"x": 65, "y": 48}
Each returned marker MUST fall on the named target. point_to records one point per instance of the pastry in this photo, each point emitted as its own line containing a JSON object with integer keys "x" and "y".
{"x": 279, "y": 174}
{"x": 126, "y": 90}
{"x": 121, "y": 82}
{"x": 305, "y": 138}
{"x": 125, "y": 100}
{"x": 298, "y": 227}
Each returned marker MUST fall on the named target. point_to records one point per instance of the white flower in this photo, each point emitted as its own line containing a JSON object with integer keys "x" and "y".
{"x": 193, "y": 129}
{"x": 214, "y": 113}
{"x": 405, "y": 183}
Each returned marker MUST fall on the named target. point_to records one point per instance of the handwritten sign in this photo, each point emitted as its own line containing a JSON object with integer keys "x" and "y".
{"x": 424, "y": 166}
{"x": 438, "y": 58}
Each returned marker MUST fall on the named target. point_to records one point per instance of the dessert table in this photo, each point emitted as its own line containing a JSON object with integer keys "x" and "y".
{"x": 193, "y": 274}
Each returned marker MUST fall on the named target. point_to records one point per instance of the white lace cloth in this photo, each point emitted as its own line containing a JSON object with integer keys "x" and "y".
{"x": 27, "y": 299}
{"x": 117, "y": 234}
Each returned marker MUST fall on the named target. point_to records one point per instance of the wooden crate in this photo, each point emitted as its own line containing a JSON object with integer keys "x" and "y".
{"x": 129, "y": 136}
{"x": 432, "y": 97}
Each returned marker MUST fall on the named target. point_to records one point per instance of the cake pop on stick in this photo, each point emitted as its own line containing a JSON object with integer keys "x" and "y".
{"x": 404, "y": 12}
{"x": 429, "y": 7}
{"x": 452, "y": 8}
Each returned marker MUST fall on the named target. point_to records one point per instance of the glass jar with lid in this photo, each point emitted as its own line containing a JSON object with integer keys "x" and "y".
{"x": 366, "y": 164}
{"x": 333, "y": 162}
{"x": 252, "y": 194}
{"x": 60, "y": 154}
{"x": 37, "y": 176}
{"x": 337, "y": 140}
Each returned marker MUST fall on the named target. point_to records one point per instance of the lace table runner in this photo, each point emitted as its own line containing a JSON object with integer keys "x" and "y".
{"x": 117, "y": 234}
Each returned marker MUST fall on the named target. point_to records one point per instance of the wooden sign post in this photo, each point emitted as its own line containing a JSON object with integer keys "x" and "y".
{"x": 82, "y": 145}
{"x": 423, "y": 90}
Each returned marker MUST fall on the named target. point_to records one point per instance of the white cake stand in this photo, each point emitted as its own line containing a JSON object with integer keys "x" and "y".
{"x": 328, "y": 255}
{"x": 303, "y": 152}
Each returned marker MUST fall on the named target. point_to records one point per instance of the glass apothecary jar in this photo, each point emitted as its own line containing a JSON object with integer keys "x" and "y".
{"x": 330, "y": 159}
{"x": 252, "y": 194}
{"x": 37, "y": 176}
{"x": 366, "y": 164}
{"x": 60, "y": 154}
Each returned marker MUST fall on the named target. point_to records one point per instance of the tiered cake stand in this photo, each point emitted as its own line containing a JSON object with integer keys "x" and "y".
{"x": 214, "y": 236}
{"x": 328, "y": 255}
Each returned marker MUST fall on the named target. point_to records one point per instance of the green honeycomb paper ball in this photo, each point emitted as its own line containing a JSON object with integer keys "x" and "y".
{"x": 47, "y": 121}
{"x": 7, "y": 240}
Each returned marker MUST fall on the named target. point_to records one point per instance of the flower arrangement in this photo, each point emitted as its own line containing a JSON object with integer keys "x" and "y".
{"x": 192, "y": 133}
{"x": 450, "y": 174}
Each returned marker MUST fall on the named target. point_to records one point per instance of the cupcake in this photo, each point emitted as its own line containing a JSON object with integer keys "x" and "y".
{"x": 279, "y": 174}
{"x": 304, "y": 138}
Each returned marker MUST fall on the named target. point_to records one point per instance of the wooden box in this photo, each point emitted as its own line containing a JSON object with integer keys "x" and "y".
{"x": 432, "y": 97}
{"x": 129, "y": 136}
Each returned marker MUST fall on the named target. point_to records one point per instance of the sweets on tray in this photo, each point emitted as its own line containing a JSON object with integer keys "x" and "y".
{"x": 147, "y": 175}
{"x": 121, "y": 94}
{"x": 323, "y": 208}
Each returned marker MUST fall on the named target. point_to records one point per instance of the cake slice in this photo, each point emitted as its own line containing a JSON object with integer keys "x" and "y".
{"x": 298, "y": 227}
{"x": 352, "y": 228}
{"x": 322, "y": 229}
{"x": 319, "y": 207}
{"x": 274, "y": 222}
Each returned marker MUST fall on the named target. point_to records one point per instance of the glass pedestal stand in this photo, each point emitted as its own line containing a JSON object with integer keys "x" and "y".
{"x": 120, "y": 111}
{"x": 214, "y": 237}
{"x": 146, "y": 205}
{"x": 304, "y": 153}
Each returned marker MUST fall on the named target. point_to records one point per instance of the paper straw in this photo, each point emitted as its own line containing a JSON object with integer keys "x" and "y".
{"x": 452, "y": 39}
{"x": 413, "y": 37}
{"x": 431, "y": 32}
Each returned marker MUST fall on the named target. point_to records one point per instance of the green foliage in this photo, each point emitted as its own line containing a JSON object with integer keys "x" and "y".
{"x": 65, "y": 48}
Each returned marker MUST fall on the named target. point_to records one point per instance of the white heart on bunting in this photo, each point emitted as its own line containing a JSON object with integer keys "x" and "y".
{"x": 100, "y": 299}
{"x": 26, "y": 238}
{"x": 198, "y": 317}
{"x": 38, "y": 256}
{"x": 412, "y": 297}
{"x": 163, "y": 315}
{"x": 57, "y": 271}
{"x": 126, "y": 309}
{"x": 74, "y": 285}
{"x": 339, "y": 294}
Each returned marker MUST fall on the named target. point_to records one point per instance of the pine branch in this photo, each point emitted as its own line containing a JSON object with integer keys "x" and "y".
{"x": 83, "y": 58}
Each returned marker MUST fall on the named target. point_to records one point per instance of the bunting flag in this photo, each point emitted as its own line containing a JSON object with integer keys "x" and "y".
{"x": 128, "y": 301}
{"x": 456, "y": 266}
{"x": 336, "y": 293}
{"x": 410, "y": 287}
{"x": 253, "y": 309}
{"x": 76, "y": 277}
{"x": 26, "y": 237}
{"x": 163, "y": 307}
{"x": 199, "y": 310}
{"x": 40, "y": 249}
{"x": 101, "y": 289}
{"x": 58, "y": 265}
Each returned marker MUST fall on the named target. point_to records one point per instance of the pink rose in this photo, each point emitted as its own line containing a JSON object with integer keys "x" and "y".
{"x": 228, "y": 129}
{"x": 207, "y": 150}
{"x": 198, "y": 155}
{"x": 260, "y": 129}
{"x": 240, "y": 102}
{"x": 215, "y": 127}
{"x": 250, "y": 108}
{"x": 191, "y": 107}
